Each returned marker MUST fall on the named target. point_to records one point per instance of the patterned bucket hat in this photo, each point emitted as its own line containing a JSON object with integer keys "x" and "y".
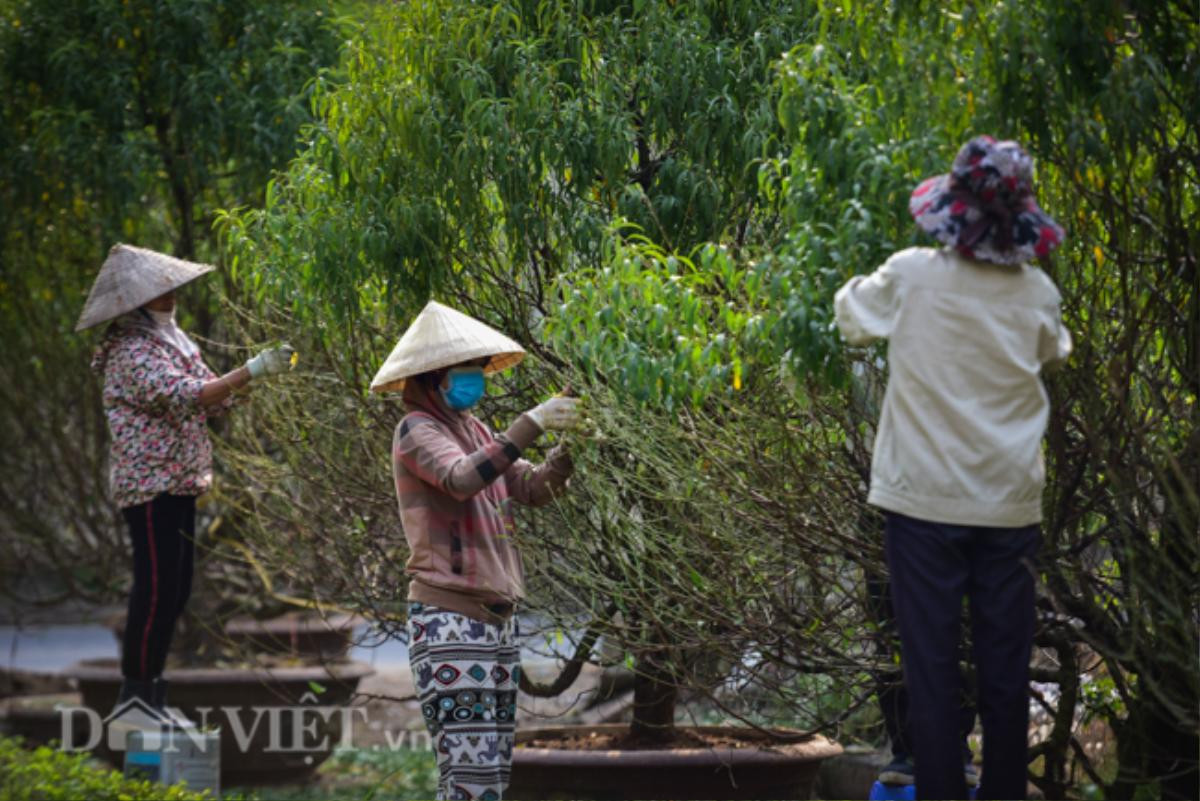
{"x": 984, "y": 207}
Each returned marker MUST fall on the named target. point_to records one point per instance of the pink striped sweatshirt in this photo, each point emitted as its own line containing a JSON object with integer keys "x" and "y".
{"x": 455, "y": 481}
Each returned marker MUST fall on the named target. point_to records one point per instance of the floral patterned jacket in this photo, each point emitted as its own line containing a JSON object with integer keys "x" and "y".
{"x": 152, "y": 401}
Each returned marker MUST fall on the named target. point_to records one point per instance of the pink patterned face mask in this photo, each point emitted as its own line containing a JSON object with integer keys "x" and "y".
{"x": 985, "y": 206}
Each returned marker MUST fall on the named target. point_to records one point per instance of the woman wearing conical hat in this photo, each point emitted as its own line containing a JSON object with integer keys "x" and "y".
{"x": 158, "y": 394}
{"x": 455, "y": 480}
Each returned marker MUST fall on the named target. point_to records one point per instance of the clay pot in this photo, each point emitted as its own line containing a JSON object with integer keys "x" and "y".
{"x": 278, "y": 724}
{"x": 295, "y": 634}
{"x": 762, "y": 769}
{"x": 37, "y": 718}
{"x": 298, "y": 635}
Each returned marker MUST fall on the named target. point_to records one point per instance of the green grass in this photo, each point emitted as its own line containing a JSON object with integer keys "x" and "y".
{"x": 360, "y": 773}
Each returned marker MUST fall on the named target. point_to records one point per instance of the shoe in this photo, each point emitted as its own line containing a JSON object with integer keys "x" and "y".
{"x": 971, "y": 774}
{"x": 897, "y": 772}
{"x": 135, "y": 698}
{"x": 134, "y": 711}
{"x": 136, "y": 688}
{"x": 158, "y": 700}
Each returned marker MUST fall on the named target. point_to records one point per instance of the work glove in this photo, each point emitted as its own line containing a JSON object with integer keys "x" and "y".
{"x": 271, "y": 361}
{"x": 560, "y": 413}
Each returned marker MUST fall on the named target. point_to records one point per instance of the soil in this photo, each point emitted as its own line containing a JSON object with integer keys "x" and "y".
{"x": 626, "y": 741}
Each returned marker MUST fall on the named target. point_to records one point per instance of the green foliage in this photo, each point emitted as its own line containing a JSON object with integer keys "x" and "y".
{"x": 479, "y": 151}
{"x": 48, "y": 774}
{"x": 668, "y": 330}
{"x": 854, "y": 152}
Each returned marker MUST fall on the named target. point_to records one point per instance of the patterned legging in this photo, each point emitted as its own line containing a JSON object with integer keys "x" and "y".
{"x": 466, "y": 674}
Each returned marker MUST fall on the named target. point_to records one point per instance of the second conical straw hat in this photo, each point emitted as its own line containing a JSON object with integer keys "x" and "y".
{"x": 129, "y": 278}
{"x": 440, "y": 337}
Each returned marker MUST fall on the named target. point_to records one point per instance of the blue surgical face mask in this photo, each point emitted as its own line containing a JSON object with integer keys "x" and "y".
{"x": 466, "y": 388}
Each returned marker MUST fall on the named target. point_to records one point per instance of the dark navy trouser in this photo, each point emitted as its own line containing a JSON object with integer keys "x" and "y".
{"x": 162, "y": 531}
{"x": 889, "y": 684}
{"x": 933, "y": 566}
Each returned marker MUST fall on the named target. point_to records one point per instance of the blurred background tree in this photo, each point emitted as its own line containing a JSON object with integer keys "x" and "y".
{"x": 122, "y": 122}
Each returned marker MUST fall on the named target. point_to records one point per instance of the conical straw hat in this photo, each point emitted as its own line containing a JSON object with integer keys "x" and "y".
{"x": 132, "y": 276}
{"x": 440, "y": 337}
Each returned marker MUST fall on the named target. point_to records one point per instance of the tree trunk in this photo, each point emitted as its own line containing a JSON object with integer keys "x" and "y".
{"x": 655, "y": 695}
{"x": 1151, "y": 746}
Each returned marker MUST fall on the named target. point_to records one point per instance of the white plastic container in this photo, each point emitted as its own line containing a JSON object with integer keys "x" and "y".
{"x": 172, "y": 755}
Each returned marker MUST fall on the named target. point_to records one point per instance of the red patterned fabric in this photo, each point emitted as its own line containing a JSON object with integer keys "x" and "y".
{"x": 159, "y": 428}
{"x": 985, "y": 207}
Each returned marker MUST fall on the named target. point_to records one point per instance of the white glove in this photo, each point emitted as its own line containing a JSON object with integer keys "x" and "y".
{"x": 557, "y": 414}
{"x": 271, "y": 361}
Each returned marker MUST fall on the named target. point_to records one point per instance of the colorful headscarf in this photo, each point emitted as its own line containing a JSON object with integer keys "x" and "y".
{"x": 984, "y": 207}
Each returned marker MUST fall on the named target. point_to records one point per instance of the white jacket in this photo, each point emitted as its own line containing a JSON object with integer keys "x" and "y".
{"x": 959, "y": 436}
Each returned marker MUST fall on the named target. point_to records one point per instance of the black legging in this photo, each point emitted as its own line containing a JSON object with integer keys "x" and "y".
{"x": 162, "y": 531}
